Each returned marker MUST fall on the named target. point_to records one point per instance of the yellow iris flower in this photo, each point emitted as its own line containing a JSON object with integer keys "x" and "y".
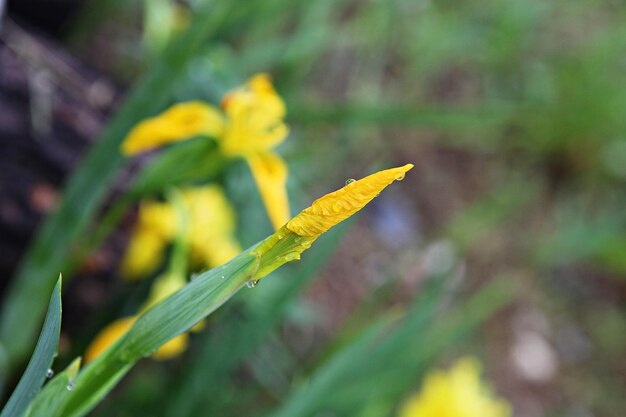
{"x": 458, "y": 392}
{"x": 211, "y": 232}
{"x": 249, "y": 125}
{"x": 283, "y": 246}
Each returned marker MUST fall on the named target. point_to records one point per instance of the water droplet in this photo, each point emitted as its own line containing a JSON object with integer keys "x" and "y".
{"x": 49, "y": 373}
{"x": 70, "y": 386}
{"x": 223, "y": 277}
{"x": 252, "y": 283}
{"x": 400, "y": 177}
{"x": 193, "y": 276}
{"x": 297, "y": 239}
{"x": 350, "y": 181}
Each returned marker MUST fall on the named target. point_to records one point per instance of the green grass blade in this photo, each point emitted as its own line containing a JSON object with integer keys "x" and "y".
{"x": 51, "y": 398}
{"x": 345, "y": 382}
{"x": 173, "y": 316}
{"x": 86, "y": 189}
{"x": 41, "y": 360}
{"x": 242, "y": 334}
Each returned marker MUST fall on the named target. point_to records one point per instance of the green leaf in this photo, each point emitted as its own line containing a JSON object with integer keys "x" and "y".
{"x": 41, "y": 360}
{"x": 51, "y": 398}
{"x": 344, "y": 382}
{"x": 155, "y": 327}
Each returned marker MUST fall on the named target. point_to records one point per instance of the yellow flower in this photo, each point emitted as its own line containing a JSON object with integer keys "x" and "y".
{"x": 458, "y": 392}
{"x": 249, "y": 127}
{"x": 283, "y": 246}
{"x": 299, "y": 233}
{"x": 211, "y": 231}
{"x": 212, "y": 226}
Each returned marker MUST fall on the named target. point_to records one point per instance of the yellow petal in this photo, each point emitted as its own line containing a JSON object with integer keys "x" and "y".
{"x": 159, "y": 218}
{"x": 143, "y": 255}
{"x": 288, "y": 243}
{"x": 108, "y": 336}
{"x": 337, "y": 206}
{"x": 212, "y": 226}
{"x": 179, "y": 122}
{"x": 218, "y": 251}
{"x": 255, "y": 115}
{"x": 270, "y": 174}
{"x": 173, "y": 348}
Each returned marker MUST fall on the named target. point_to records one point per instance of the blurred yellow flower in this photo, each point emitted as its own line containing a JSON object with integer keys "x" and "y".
{"x": 211, "y": 231}
{"x": 249, "y": 126}
{"x": 212, "y": 225}
{"x": 458, "y": 392}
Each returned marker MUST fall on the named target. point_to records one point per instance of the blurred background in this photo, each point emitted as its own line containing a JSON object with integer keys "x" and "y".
{"x": 514, "y": 114}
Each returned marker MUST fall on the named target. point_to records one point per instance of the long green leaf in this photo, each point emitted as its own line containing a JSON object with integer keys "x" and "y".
{"x": 241, "y": 335}
{"x": 41, "y": 360}
{"x": 173, "y": 316}
{"x": 344, "y": 381}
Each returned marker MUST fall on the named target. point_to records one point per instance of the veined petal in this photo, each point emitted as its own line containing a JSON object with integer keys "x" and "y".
{"x": 179, "y": 122}
{"x": 270, "y": 174}
{"x": 337, "y": 206}
{"x": 288, "y": 243}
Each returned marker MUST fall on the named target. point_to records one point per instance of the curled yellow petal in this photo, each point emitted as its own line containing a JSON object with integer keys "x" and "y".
{"x": 270, "y": 174}
{"x": 288, "y": 243}
{"x": 337, "y": 206}
{"x": 179, "y": 122}
{"x": 108, "y": 336}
